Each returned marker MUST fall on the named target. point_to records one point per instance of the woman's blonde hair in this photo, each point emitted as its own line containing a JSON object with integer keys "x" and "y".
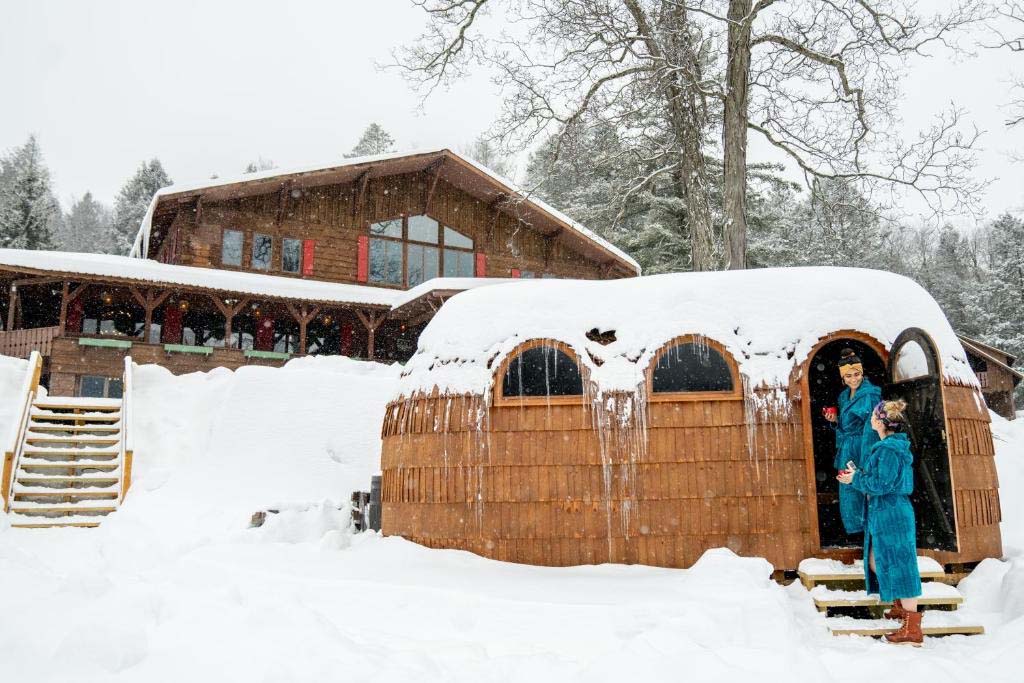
{"x": 892, "y": 414}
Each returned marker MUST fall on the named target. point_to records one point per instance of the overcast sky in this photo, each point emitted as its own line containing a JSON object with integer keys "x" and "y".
{"x": 209, "y": 86}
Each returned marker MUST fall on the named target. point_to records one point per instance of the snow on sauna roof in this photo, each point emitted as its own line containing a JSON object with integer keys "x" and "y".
{"x": 769, "y": 320}
{"x": 140, "y": 247}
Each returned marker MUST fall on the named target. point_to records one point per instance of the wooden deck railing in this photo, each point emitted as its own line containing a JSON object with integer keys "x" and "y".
{"x": 127, "y": 427}
{"x": 21, "y": 343}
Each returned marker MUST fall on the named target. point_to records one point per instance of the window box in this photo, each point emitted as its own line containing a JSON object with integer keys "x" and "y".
{"x": 274, "y": 355}
{"x": 105, "y": 343}
{"x": 186, "y": 348}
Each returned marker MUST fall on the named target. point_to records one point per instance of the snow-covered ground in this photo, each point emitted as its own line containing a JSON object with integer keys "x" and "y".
{"x": 174, "y": 586}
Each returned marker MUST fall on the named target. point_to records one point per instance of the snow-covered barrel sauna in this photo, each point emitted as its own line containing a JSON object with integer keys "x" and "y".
{"x": 646, "y": 420}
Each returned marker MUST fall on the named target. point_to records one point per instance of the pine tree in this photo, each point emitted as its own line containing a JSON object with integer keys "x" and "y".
{"x": 132, "y": 203}
{"x": 29, "y": 212}
{"x": 375, "y": 140}
{"x": 1004, "y": 290}
{"x": 86, "y": 227}
{"x": 487, "y": 154}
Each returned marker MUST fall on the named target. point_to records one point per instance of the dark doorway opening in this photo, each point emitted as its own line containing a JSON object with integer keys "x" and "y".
{"x": 825, "y": 386}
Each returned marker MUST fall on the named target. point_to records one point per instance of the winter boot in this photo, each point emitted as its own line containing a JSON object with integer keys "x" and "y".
{"x": 896, "y": 611}
{"x": 910, "y": 632}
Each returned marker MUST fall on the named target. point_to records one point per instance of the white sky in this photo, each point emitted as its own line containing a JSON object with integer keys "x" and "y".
{"x": 209, "y": 86}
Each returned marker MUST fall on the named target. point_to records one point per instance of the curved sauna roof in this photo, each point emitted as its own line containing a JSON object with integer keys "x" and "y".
{"x": 768, "y": 319}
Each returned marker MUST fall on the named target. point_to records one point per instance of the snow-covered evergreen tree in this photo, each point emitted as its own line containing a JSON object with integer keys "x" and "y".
{"x": 260, "y": 164}
{"x": 132, "y": 203}
{"x": 86, "y": 227}
{"x": 1004, "y": 290}
{"x": 375, "y": 140}
{"x": 29, "y": 213}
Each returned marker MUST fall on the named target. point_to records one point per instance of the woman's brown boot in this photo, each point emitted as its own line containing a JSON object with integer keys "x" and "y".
{"x": 910, "y": 632}
{"x": 896, "y": 611}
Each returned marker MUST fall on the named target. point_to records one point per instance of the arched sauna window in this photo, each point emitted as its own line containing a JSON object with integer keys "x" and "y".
{"x": 692, "y": 368}
{"x": 541, "y": 371}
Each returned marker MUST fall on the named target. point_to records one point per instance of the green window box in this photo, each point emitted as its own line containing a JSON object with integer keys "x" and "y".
{"x": 105, "y": 343}
{"x": 185, "y": 348}
{"x": 274, "y": 355}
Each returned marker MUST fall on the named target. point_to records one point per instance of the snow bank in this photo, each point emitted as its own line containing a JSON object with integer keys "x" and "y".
{"x": 12, "y": 374}
{"x": 213, "y": 448}
{"x": 768, "y": 319}
{"x": 1009, "y": 441}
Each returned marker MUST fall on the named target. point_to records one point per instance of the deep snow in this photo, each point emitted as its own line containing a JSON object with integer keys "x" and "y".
{"x": 175, "y": 587}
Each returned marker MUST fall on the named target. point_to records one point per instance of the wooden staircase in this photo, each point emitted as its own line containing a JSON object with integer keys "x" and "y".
{"x": 69, "y": 462}
{"x": 838, "y": 590}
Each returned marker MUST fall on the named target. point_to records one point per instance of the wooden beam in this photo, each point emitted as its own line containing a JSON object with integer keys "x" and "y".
{"x": 371, "y": 324}
{"x": 76, "y": 291}
{"x": 25, "y": 282}
{"x": 12, "y": 306}
{"x": 229, "y": 311}
{"x": 65, "y": 291}
{"x": 282, "y": 201}
{"x": 435, "y": 175}
{"x": 303, "y": 315}
{"x": 361, "y": 183}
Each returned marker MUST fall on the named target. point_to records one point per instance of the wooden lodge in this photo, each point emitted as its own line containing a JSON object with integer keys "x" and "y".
{"x": 716, "y": 439}
{"x": 350, "y": 259}
{"x": 996, "y": 375}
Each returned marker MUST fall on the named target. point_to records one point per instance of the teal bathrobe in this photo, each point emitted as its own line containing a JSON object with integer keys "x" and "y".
{"x": 886, "y": 477}
{"x": 854, "y": 438}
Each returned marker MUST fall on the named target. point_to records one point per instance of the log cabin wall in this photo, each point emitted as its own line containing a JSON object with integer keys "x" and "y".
{"x": 531, "y": 483}
{"x": 325, "y": 214}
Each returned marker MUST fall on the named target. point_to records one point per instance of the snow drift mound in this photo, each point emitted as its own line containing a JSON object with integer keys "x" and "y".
{"x": 12, "y": 372}
{"x": 212, "y": 448}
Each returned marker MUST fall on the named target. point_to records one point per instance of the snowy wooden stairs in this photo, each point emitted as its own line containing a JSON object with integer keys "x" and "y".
{"x": 838, "y": 589}
{"x": 69, "y": 472}
{"x": 68, "y": 460}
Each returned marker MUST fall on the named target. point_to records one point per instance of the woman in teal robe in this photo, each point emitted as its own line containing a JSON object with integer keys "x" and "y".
{"x": 854, "y": 435}
{"x": 886, "y": 477}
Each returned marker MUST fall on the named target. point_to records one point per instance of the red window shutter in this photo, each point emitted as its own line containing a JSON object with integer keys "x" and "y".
{"x": 265, "y": 335}
{"x": 363, "y": 266}
{"x": 308, "y": 247}
{"x": 516, "y": 272}
{"x": 481, "y": 265}
{"x": 170, "y": 332}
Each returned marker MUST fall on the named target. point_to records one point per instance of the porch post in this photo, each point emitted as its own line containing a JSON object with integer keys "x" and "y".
{"x": 64, "y": 292}
{"x": 371, "y": 324}
{"x": 12, "y": 303}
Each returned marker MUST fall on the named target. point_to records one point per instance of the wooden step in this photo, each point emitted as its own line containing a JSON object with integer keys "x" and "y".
{"x": 103, "y": 428}
{"x": 105, "y": 465}
{"x": 21, "y": 494}
{"x": 52, "y": 525}
{"x": 817, "y": 570}
{"x": 42, "y": 453}
{"x": 933, "y": 594}
{"x": 66, "y": 417}
{"x": 94, "y": 405}
{"x": 93, "y": 480}
{"x": 932, "y": 624}
{"x": 89, "y": 439}
{"x": 25, "y": 509}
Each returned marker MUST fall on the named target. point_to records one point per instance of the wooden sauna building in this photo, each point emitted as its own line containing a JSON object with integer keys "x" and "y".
{"x": 648, "y": 420}
{"x": 352, "y": 259}
{"x": 996, "y": 375}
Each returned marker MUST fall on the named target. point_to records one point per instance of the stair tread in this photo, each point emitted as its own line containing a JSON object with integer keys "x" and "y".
{"x": 53, "y": 525}
{"x": 45, "y": 427}
{"x": 36, "y": 437}
{"x": 89, "y": 477}
{"x": 932, "y": 624}
{"x": 66, "y": 464}
{"x": 932, "y": 593}
{"x": 94, "y": 492}
{"x": 78, "y": 402}
{"x": 33, "y": 522}
{"x": 820, "y": 569}
{"x": 30, "y": 451}
{"x": 22, "y": 506}
{"x": 67, "y": 417}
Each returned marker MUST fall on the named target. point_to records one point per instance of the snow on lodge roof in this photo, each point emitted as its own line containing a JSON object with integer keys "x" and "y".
{"x": 769, "y": 320}
{"x": 153, "y": 272}
{"x": 383, "y": 164}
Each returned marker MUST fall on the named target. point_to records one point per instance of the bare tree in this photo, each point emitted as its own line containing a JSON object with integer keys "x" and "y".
{"x": 1012, "y": 14}
{"x": 817, "y": 80}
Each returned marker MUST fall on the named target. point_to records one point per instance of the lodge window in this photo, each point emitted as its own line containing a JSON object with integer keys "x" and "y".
{"x": 408, "y": 251}
{"x": 231, "y": 248}
{"x": 692, "y": 366}
{"x": 95, "y": 386}
{"x": 542, "y": 371}
{"x": 262, "y": 251}
{"x": 291, "y": 255}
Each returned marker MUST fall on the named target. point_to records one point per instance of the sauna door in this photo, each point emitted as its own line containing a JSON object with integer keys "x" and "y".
{"x": 915, "y": 375}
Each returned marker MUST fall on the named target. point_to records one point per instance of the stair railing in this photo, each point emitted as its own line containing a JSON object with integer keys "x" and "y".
{"x": 127, "y": 449}
{"x": 16, "y": 440}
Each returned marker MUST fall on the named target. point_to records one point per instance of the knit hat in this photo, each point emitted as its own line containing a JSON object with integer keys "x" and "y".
{"x": 849, "y": 359}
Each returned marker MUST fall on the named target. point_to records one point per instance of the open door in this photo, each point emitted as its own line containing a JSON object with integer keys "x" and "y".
{"x": 915, "y": 375}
